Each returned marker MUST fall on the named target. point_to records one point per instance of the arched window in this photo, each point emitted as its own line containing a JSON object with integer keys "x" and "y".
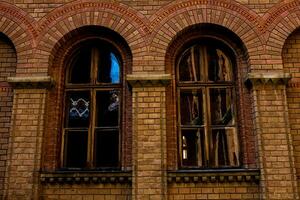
{"x": 93, "y": 101}
{"x": 207, "y": 128}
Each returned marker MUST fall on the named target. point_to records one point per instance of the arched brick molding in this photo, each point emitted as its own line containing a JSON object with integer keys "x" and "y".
{"x": 120, "y": 18}
{"x": 170, "y": 20}
{"x": 18, "y": 26}
{"x": 280, "y": 22}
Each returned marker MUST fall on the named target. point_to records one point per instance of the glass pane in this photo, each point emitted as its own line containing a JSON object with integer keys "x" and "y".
{"x": 108, "y": 67}
{"x": 107, "y": 148}
{"x": 191, "y": 107}
{"x": 224, "y": 148}
{"x": 76, "y": 149}
{"x": 219, "y": 65}
{"x": 78, "y": 109}
{"x": 80, "y": 67}
{"x": 189, "y": 66}
{"x": 221, "y": 106}
{"x": 193, "y": 148}
{"x": 108, "y": 103}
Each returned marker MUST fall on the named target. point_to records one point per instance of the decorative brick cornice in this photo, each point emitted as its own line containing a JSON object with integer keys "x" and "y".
{"x": 89, "y": 177}
{"x": 142, "y": 80}
{"x": 30, "y": 82}
{"x": 273, "y": 78}
{"x": 5, "y": 87}
{"x": 204, "y": 176}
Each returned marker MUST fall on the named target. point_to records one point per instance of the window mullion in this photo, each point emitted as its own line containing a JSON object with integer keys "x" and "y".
{"x": 91, "y": 136}
{"x": 206, "y": 105}
{"x": 179, "y": 127}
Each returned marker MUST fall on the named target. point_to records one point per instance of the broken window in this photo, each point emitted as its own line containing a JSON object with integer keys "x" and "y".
{"x": 92, "y": 107}
{"x": 206, "y": 106}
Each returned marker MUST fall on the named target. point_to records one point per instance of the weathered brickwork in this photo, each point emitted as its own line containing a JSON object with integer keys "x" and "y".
{"x": 149, "y": 155}
{"x": 25, "y": 142}
{"x": 7, "y": 68}
{"x": 274, "y": 141}
{"x": 291, "y": 59}
{"x": 37, "y": 38}
{"x": 213, "y": 191}
{"x": 86, "y": 192}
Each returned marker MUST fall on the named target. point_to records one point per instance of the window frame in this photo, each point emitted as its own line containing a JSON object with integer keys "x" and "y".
{"x": 205, "y": 86}
{"x": 93, "y": 87}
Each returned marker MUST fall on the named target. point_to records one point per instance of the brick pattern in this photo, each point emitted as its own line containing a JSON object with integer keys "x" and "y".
{"x": 278, "y": 179}
{"x": 291, "y": 61}
{"x": 37, "y": 28}
{"x": 25, "y": 144}
{"x": 233, "y": 191}
{"x": 86, "y": 192}
{"x": 7, "y": 69}
{"x": 149, "y": 156}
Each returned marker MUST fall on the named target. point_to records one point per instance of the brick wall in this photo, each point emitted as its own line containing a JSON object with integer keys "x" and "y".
{"x": 86, "y": 192}
{"x": 38, "y": 28}
{"x": 291, "y": 63}
{"x": 234, "y": 191}
{"x": 7, "y": 69}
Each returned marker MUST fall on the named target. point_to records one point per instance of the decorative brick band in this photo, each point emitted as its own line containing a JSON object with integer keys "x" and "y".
{"x": 273, "y": 78}
{"x": 71, "y": 177}
{"x": 232, "y": 175}
{"x": 30, "y": 82}
{"x": 5, "y": 87}
{"x": 144, "y": 80}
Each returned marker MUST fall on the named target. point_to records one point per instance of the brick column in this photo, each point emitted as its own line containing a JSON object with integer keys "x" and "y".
{"x": 149, "y": 136}
{"x": 278, "y": 174}
{"x": 27, "y": 124}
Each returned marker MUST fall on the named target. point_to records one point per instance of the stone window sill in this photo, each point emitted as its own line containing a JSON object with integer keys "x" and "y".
{"x": 214, "y": 175}
{"x": 87, "y": 177}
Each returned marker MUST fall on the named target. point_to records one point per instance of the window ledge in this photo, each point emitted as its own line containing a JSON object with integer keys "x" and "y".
{"x": 214, "y": 175}
{"x": 87, "y": 177}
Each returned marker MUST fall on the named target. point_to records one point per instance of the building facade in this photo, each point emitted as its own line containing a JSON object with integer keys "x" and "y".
{"x": 149, "y": 99}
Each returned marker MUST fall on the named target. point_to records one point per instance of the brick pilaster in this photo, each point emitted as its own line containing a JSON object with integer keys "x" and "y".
{"x": 276, "y": 156}
{"x": 149, "y": 137}
{"x": 25, "y": 142}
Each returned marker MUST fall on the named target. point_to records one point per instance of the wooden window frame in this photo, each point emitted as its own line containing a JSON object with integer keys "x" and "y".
{"x": 92, "y": 88}
{"x": 207, "y": 126}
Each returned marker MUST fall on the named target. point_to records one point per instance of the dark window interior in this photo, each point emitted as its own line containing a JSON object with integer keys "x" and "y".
{"x": 206, "y": 105}
{"x": 92, "y": 107}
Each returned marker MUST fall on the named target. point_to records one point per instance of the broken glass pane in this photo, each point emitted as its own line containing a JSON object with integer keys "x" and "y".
{"x": 189, "y": 65}
{"x": 107, "y": 148}
{"x": 225, "y": 148}
{"x": 219, "y": 65}
{"x": 81, "y": 67}
{"x": 191, "y": 111}
{"x": 76, "y": 149}
{"x": 193, "y": 149}
{"x": 221, "y": 106}
{"x": 78, "y": 109}
{"x": 108, "y": 103}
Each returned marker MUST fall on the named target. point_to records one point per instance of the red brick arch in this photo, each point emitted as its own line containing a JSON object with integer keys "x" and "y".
{"x": 18, "y": 26}
{"x": 280, "y": 22}
{"x": 177, "y": 16}
{"x": 130, "y": 24}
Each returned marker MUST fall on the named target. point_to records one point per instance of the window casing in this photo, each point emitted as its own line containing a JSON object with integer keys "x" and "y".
{"x": 207, "y": 128}
{"x": 93, "y": 102}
